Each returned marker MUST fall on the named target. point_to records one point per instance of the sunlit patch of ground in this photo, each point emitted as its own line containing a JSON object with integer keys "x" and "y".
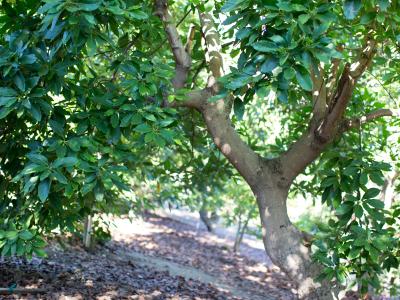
{"x": 188, "y": 245}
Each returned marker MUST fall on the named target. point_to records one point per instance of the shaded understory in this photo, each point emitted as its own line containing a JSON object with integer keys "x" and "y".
{"x": 151, "y": 258}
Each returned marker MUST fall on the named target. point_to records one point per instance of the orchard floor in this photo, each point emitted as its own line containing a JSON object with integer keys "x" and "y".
{"x": 150, "y": 258}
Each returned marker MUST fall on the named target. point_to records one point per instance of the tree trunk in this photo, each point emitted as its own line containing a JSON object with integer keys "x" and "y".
{"x": 241, "y": 230}
{"x": 237, "y": 236}
{"x": 388, "y": 189}
{"x": 206, "y": 219}
{"x": 87, "y": 232}
{"x": 270, "y": 184}
{"x": 285, "y": 245}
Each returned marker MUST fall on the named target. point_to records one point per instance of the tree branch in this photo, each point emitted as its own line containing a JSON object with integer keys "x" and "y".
{"x": 212, "y": 43}
{"x": 323, "y": 130}
{"x": 365, "y": 58}
{"x": 331, "y": 83}
{"x": 195, "y": 99}
{"x": 241, "y": 156}
{"x": 189, "y": 40}
{"x": 348, "y": 124}
{"x": 181, "y": 56}
{"x": 319, "y": 93}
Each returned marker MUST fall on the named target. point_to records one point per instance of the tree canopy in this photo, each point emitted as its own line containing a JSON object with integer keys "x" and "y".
{"x": 97, "y": 96}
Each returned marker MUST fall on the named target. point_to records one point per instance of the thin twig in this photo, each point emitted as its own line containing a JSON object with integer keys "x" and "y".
{"x": 383, "y": 86}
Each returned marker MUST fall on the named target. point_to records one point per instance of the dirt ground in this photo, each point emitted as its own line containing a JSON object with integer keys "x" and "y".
{"x": 152, "y": 258}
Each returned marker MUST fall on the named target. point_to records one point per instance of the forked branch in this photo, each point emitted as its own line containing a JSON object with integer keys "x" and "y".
{"x": 323, "y": 130}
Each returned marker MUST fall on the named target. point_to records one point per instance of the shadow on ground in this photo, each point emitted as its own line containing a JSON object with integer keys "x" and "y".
{"x": 128, "y": 267}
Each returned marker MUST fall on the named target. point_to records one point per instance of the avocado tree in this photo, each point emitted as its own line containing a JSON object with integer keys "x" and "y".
{"x": 91, "y": 89}
{"x": 70, "y": 127}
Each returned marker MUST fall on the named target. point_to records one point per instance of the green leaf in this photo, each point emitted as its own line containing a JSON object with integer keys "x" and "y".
{"x": 304, "y": 79}
{"x": 39, "y": 252}
{"x": 65, "y": 162}
{"x": 32, "y": 82}
{"x": 4, "y": 112}
{"x": 351, "y": 8}
{"x": 277, "y": 39}
{"x": 7, "y": 92}
{"x": 43, "y": 190}
{"x": 19, "y": 81}
{"x": 329, "y": 181}
{"x": 377, "y": 177}
{"x": 87, "y": 187}
{"x": 375, "y": 203}
{"x": 7, "y": 101}
{"x": 11, "y": 235}
{"x": 350, "y": 171}
{"x": 354, "y": 253}
{"x": 380, "y": 243}
{"x": 344, "y": 208}
{"x": 143, "y": 128}
{"x": 91, "y": 46}
{"x": 373, "y": 253}
{"x": 126, "y": 120}
{"x": 28, "y": 59}
{"x": 25, "y": 235}
{"x": 38, "y": 158}
{"x": 383, "y": 4}
{"x": 114, "y": 120}
{"x": 304, "y": 18}
{"x": 167, "y": 134}
{"x": 82, "y": 127}
{"x": 85, "y": 6}
{"x": 138, "y": 14}
{"x": 243, "y": 33}
{"x": 60, "y": 177}
{"x": 159, "y": 140}
{"x": 374, "y": 213}
{"x": 34, "y": 168}
{"x": 149, "y": 137}
{"x": 289, "y": 73}
{"x": 150, "y": 117}
{"x": 238, "y": 108}
{"x": 363, "y": 179}
{"x": 36, "y": 113}
{"x": 269, "y": 65}
{"x": 371, "y": 193}
{"x": 358, "y": 211}
{"x": 39, "y": 242}
{"x": 341, "y": 277}
{"x": 265, "y": 46}
{"x": 231, "y": 5}
{"x": 115, "y": 10}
